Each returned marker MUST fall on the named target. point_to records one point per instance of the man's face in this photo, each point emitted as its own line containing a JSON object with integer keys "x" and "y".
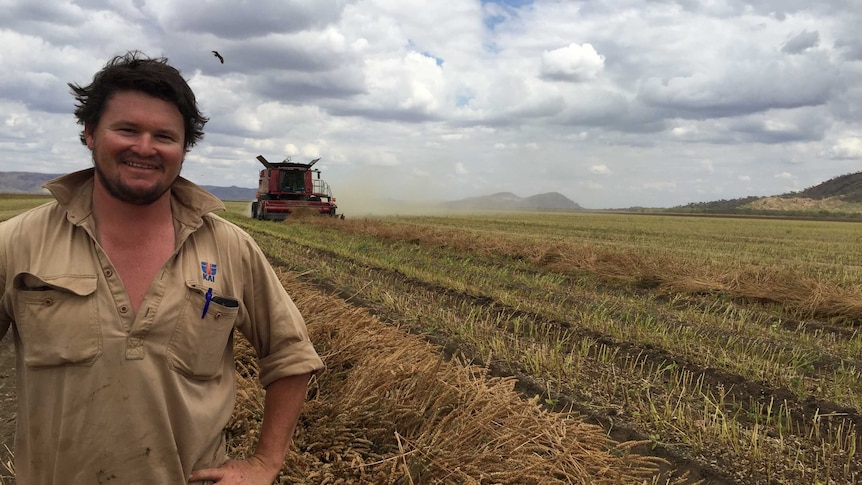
{"x": 138, "y": 147}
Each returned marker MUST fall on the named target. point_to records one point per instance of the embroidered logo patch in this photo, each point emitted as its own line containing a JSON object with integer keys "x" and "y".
{"x": 209, "y": 271}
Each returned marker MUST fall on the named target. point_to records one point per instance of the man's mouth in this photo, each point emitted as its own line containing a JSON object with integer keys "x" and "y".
{"x": 147, "y": 166}
{"x": 139, "y": 165}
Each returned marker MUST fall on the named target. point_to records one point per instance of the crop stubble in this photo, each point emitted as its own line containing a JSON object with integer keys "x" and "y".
{"x": 756, "y": 429}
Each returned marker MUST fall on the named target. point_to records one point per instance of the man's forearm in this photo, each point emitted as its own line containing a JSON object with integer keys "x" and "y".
{"x": 282, "y": 405}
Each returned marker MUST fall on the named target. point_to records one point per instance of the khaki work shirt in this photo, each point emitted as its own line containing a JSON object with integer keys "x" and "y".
{"x": 109, "y": 396}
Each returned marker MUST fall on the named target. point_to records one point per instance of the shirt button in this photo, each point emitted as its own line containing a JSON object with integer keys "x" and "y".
{"x": 49, "y": 302}
{"x": 109, "y": 273}
{"x": 124, "y": 309}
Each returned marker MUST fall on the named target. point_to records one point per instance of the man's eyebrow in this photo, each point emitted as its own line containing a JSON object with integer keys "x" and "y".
{"x": 124, "y": 122}
{"x": 168, "y": 131}
{"x": 133, "y": 124}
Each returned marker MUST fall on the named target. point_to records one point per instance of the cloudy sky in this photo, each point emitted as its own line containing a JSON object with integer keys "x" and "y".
{"x": 613, "y": 103}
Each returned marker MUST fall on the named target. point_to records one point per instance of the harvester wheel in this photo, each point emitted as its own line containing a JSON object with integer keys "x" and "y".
{"x": 254, "y": 207}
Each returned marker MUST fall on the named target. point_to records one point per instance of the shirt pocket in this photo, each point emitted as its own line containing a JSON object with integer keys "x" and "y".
{"x": 199, "y": 341}
{"x": 57, "y": 319}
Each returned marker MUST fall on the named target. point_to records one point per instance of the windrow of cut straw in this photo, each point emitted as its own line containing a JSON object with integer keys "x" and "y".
{"x": 389, "y": 409}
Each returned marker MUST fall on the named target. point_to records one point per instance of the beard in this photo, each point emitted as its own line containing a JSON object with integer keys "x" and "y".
{"x": 121, "y": 191}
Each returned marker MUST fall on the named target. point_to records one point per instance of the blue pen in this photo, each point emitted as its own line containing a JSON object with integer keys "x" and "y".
{"x": 209, "y": 298}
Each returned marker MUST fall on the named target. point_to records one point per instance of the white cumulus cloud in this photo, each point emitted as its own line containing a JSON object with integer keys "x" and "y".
{"x": 572, "y": 63}
{"x": 847, "y": 148}
{"x": 600, "y": 169}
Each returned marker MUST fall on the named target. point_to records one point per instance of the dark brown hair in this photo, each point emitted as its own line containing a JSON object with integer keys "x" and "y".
{"x": 134, "y": 71}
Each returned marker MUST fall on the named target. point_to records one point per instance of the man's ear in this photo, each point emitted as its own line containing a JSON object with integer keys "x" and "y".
{"x": 88, "y": 136}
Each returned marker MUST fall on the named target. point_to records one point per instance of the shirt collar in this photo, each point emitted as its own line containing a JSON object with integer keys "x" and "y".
{"x": 189, "y": 202}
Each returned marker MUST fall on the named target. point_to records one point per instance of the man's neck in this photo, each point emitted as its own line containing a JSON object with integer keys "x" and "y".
{"x": 118, "y": 218}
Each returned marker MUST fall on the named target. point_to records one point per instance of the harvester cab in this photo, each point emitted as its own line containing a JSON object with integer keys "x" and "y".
{"x": 286, "y": 187}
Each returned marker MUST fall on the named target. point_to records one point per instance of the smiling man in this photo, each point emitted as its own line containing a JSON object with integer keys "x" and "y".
{"x": 123, "y": 295}
{"x": 137, "y": 147}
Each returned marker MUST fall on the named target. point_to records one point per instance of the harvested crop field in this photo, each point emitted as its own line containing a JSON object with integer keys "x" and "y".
{"x": 570, "y": 348}
{"x": 390, "y": 409}
{"x": 728, "y": 346}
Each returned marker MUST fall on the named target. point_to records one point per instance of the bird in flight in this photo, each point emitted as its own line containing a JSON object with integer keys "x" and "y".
{"x": 220, "y": 58}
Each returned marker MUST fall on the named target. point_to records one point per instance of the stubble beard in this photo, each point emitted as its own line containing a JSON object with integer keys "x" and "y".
{"x": 122, "y": 192}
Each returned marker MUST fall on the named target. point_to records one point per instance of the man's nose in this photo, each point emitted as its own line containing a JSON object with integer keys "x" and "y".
{"x": 144, "y": 146}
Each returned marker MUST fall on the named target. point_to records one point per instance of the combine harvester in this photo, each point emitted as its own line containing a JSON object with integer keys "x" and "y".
{"x": 287, "y": 186}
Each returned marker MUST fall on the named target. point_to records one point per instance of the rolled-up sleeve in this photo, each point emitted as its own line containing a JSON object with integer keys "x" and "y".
{"x": 272, "y": 323}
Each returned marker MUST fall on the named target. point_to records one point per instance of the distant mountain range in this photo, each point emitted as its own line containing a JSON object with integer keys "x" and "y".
{"x": 510, "y": 201}
{"x": 840, "y": 196}
{"x": 24, "y": 182}
{"x": 31, "y": 183}
{"x": 231, "y": 193}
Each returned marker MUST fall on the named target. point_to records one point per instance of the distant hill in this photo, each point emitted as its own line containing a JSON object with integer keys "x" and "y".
{"x": 231, "y": 193}
{"x": 510, "y": 201}
{"x": 847, "y": 188}
{"x": 24, "y": 182}
{"x": 840, "y": 196}
{"x": 31, "y": 183}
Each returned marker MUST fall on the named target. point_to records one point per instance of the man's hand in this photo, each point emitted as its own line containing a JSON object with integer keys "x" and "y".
{"x": 282, "y": 404}
{"x": 252, "y": 471}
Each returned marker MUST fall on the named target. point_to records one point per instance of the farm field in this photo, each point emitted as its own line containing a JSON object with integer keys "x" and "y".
{"x": 730, "y": 346}
{"x": 569, "y": 348}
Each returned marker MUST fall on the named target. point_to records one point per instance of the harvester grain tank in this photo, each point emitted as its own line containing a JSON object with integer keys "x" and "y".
{"x": 287, "y": 186}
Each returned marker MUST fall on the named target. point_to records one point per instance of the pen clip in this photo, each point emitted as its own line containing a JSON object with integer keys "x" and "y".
{"x": 208, "y": 299}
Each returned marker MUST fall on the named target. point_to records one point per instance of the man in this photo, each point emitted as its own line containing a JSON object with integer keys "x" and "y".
{"x": 123, "y": 295}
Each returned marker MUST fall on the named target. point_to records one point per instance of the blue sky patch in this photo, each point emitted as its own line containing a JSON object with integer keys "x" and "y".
{"x": 438, "y": 60}
{"x": 492, "y": 21}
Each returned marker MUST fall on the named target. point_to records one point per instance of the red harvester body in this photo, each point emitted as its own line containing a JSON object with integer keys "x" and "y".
{"x": 287, "y": 186}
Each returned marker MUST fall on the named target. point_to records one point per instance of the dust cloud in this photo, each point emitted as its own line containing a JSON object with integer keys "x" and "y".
{"x": 370, "y": 195}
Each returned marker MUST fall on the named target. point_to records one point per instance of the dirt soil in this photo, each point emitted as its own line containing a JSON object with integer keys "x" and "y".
{"x": 7, "y": 402}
